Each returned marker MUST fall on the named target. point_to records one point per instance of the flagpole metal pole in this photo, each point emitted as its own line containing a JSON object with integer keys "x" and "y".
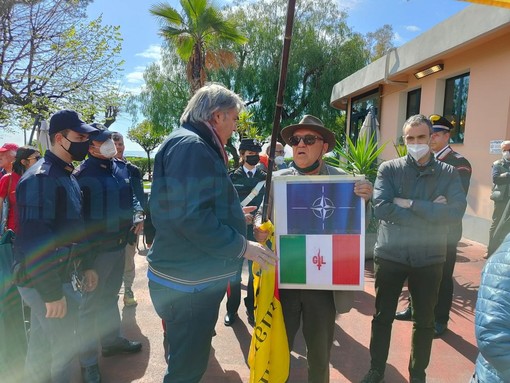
{"x": 279, "y": 103}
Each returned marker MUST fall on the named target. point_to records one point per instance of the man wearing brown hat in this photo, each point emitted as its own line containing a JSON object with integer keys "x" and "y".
{"x": 50, "y": 225}
{"x": 440, "y": 146}
{"x": 316, "y": 309}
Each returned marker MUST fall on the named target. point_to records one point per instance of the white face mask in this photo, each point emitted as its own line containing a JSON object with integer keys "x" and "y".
{"x": 506, "y": 156}
{"x": 279, "y": 160}
{"x": 108, "y": 148}
{"x": 417, "y": 151}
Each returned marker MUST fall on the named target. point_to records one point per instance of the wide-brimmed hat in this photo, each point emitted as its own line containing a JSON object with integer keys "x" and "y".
{"x": 312, "y": 123}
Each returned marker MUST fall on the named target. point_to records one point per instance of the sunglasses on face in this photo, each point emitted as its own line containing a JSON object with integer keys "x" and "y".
{"x": 36, "y": 158}
{"x": 308, "y": 139}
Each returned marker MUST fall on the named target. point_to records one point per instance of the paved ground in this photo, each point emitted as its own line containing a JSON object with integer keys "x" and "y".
{"x": 452, "y": 360}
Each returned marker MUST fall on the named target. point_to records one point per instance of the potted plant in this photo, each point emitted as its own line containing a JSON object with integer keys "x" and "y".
{"x": 361, "y": 158}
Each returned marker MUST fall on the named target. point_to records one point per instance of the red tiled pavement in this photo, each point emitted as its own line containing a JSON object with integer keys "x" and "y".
{"x": 452, "y": 360}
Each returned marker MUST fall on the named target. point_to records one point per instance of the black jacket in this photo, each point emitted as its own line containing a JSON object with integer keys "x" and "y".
{"x": 416, "y": 236}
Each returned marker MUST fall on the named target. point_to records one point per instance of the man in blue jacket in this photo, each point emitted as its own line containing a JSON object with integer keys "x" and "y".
{"x": 200, "y": 230}
{"x": 416, "y": 198}
{"x": 108, "y": 210}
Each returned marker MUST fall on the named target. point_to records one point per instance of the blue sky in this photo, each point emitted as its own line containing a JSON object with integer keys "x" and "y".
{"x": 139, "y": 29}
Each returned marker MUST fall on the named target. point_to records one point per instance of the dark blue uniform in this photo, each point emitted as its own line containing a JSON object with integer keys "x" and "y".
{"x": 50, "y": 220}
{"x": 108, "y": 207}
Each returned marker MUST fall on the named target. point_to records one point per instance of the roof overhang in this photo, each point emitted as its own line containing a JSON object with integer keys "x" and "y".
{"x": 474, "y": 23}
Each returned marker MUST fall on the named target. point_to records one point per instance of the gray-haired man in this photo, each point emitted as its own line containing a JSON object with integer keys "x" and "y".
{"x": 200, "y": 230}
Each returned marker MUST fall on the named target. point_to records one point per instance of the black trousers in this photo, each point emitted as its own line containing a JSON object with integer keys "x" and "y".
{"x": 234, "y": 292}
{"x": 423, "y": 283}
{"x": 315, "y": 309}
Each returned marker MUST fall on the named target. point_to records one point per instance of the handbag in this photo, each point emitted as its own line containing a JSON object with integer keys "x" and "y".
{"x": 6, "y": 262}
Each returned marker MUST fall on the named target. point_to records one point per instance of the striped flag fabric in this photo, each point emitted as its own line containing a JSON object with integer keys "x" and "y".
{"x": 320, "y": 232}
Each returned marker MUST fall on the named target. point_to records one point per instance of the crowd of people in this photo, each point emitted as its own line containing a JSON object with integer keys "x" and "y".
{"x": 76, "y": 233}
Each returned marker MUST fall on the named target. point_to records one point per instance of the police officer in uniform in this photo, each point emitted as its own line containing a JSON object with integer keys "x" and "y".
{"x": 50, "y": 224}
{"x": 439, "y": 144}
{"x": 108, "y": 211}
{"x": 249, "y": 180}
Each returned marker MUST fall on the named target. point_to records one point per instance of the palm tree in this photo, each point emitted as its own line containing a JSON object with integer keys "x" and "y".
{"x": 195, "y": 35}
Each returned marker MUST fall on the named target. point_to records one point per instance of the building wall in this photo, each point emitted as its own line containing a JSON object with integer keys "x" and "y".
{"x": 487, "y": 119}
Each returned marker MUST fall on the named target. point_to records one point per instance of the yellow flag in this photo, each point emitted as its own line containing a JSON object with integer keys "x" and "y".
{"x": 269, "y": 356}
{"x": 497, "y": 3}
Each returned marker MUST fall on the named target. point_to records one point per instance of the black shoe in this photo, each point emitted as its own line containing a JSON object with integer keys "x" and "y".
{"x": 404, "y": 314}
{"x": 251, "y": 318}
{"x": 121, "y": 346}
{"x": 418, "y": 380}
{"x": 440, "y": 329}
{"x": 373, "y": 376}
{"x": 91, "y": 374}
{"x": 229, "y": 319}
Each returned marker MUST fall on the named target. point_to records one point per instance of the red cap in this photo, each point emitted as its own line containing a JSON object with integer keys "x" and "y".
{"x": 8, "y": 147}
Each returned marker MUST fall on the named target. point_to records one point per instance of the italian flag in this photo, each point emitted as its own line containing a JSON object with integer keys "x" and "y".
{"x": 320, "y": 261}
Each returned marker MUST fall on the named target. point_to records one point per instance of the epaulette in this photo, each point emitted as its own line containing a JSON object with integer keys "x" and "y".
{"x": 44, "y": 168}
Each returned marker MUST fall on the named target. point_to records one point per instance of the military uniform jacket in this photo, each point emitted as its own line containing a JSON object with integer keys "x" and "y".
{"x": 500, "y": 180}
{"x": 459, "y": 162}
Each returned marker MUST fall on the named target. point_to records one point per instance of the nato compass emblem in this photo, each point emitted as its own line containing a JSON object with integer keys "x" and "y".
{"x": 322, "y": 207}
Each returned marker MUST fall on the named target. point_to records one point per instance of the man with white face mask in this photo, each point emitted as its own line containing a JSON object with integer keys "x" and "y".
{"x": 416, "y": 198}
{"x": 108, "y": 208}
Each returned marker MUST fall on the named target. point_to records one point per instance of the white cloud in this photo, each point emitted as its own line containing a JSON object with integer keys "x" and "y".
{"x": 136, "y": 76}
{"x": 153, "y": 52}
{"x": 399, "y": 40}
{"x": 412, "y": 28}
{"x": 350, "y": 4}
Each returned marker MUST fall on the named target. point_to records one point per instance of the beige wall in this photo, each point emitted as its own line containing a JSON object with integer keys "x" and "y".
{"x": 488, "y": 117}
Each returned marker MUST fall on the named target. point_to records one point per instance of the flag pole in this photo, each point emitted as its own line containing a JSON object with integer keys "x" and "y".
{"x": 279, "y": 103}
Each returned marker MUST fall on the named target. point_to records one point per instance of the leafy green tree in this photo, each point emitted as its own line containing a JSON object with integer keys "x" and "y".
{"x": 324, "y": 50}
{"x": 164, "y": 95}
{"x": 195, "y": 34}
{"x": 147, "y": 137}
{"x": 50, "y": 58}
{"x": 379, "y": 42}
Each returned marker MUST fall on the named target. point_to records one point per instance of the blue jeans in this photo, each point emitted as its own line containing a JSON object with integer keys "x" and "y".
{"x": 52, "y": 345}
{"x": 99, "y": 317}
{"x": 190, "y": 319}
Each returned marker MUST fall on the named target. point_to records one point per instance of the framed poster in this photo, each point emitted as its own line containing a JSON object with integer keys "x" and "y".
{"x": 320, "y": 232}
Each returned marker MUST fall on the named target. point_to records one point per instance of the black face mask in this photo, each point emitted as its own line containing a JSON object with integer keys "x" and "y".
{"x": 77, "y": 150}
{"x": 253, "y": 159}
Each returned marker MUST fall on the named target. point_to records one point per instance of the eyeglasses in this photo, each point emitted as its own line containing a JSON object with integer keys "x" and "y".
{"x": 279, "y": 151}
{"x": 308, "y": 139}
{"x": 36, "y": 158}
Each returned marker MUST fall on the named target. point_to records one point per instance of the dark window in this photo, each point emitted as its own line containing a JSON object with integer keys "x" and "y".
{"x": 455, "y": 105}
{"x": 413, "y": 102}
{"x": 359, "y": 110}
